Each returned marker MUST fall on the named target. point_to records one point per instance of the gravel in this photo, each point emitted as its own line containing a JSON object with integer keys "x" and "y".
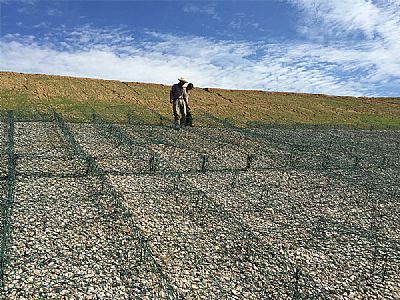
{"x": 202, "y": 213}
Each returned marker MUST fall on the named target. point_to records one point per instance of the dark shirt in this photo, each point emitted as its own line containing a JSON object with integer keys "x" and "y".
{"x": 178, "y": 91}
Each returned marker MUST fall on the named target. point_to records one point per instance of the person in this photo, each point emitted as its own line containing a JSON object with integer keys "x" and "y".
{"x": 189, "y": 118}
{"x": 178, "y": 97}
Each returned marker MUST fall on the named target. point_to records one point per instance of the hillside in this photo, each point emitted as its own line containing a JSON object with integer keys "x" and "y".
{"x": 36, "y": 96}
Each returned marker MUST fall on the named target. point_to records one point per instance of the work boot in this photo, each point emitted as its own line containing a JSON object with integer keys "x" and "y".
{"x": 176, "y": 125}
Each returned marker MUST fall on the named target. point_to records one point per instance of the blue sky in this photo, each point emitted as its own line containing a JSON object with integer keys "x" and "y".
{"x": 338, "y": 47}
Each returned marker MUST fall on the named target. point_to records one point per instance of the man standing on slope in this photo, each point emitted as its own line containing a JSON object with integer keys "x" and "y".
{"x": 178, "y": 97}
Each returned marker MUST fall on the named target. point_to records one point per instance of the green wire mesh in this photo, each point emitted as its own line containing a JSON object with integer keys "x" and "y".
{"x": 146, "y": 212}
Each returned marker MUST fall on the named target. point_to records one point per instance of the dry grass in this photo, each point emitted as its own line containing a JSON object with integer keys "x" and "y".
{"x": 36, "y": 96}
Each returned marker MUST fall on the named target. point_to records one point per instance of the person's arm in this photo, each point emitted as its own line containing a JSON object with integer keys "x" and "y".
{"x": 172, "y": 93}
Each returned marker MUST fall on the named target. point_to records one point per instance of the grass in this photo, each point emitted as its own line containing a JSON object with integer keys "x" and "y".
{"x": 35, "y": 97}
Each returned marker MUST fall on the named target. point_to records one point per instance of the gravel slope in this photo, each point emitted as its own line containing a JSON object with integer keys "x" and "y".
{"x": 145, "y": 212}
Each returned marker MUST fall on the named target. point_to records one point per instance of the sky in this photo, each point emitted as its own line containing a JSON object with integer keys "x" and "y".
{"x": 335, "y": 47}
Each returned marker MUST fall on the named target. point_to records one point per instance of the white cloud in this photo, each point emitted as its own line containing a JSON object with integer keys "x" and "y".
{"x": 378, "y": 20}
{"x": 205, "y": 62}
{"x": 41, "y": 25}
{"x": 20, "y": 1}
{"x": 370, "y": 31}
{"x": 208, "y": 9}
{"x": 114, "y": 53}
{"x": 54, "y": 12}
{"x": 359, "y": 54}
{"x": 242, "y": 22}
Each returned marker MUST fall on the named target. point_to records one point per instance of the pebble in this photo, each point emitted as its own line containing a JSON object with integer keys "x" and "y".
{"x": 218, "y": 232}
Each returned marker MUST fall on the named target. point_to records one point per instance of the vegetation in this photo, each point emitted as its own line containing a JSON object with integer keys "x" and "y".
{"x": 35, "y": 97}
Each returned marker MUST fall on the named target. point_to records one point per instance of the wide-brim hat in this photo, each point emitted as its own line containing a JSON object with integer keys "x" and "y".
{"x": 183, "y": 79}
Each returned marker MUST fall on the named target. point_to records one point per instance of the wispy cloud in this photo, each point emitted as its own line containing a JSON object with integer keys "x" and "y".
{"x": 208, "y": 9}
{"x": 242, "y": 21}
{"x": 20, "y": 1}
{"x": 54, "y": 12}
{"x": 369, "y": 29}
{"x": 373, "y": 19}
{"x": 227, "y": 64}
{"x": 41, "y": 25}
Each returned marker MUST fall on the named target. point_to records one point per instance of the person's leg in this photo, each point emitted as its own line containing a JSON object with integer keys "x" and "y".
{"x": 183, "y": 113}
{"x": 175, "y": 108}
{"x": 189, "y": 119}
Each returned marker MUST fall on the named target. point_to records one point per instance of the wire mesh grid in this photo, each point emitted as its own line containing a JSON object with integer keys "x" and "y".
{"x": 105, "y": 211}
